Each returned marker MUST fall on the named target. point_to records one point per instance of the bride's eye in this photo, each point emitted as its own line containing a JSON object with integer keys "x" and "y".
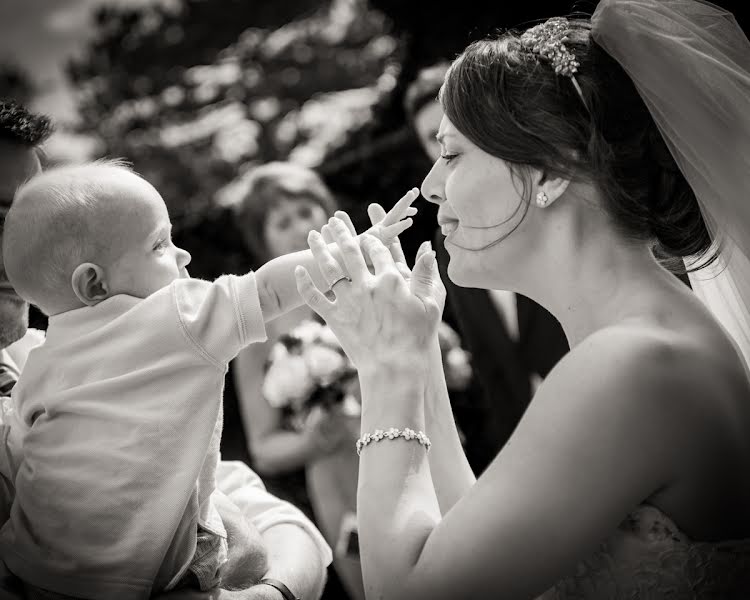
{"x": 448, "y": 157}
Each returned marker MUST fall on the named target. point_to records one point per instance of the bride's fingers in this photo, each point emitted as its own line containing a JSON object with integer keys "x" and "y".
{"x": 328, "y": 265}
{"x": 425, "y": 246}
{"x": 325, "y": 233}
{"x": 423, "y": 275}
{"x": 380, "y": 256}
{"x": 351, "y": 253}
{"x": 344, "y": 216}
{"x": 312, "y": 296}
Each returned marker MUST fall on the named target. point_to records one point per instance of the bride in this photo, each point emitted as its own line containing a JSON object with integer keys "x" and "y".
{"x": 571, "y": 154}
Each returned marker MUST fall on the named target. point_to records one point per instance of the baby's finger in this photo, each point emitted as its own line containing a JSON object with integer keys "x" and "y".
{"x": 376, "y": 213}
{"x": 311, "y": 294}
{"x": 390, "y": 233}
{"x": 399, "y": 209}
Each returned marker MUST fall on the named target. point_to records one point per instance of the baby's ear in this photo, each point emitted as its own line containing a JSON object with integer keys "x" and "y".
{"x": 89, "y": 284}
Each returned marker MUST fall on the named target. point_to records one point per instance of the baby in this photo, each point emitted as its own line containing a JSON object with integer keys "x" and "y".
{"x": 116, "y": 419}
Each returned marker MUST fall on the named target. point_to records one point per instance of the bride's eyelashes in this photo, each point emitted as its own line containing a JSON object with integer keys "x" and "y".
{"x": 448, "y": 157}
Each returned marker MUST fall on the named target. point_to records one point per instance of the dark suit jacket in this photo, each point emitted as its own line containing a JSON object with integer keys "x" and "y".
{"x": 502, "y": 366}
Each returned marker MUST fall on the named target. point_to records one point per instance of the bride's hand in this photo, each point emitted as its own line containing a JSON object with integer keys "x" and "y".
{"x": 377, "y": 318}
{"x": 431, "y": 279}
{"x": 378, "y": 215}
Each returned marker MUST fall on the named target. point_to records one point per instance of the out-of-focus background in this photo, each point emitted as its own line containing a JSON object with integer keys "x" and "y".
{"x": 196, "y": 92}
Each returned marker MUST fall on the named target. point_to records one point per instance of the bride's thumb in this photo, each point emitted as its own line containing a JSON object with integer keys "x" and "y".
{"x": 423, "y": 274}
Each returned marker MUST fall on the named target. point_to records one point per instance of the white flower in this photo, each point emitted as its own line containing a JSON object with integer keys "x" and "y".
{"x": 323, "y": 363}
{"x": 350, "y": 406}
{"x": 457, "y": 368}
{"x": 287, "y": 380}
{"x": 308, "y": 331}
{"x": 327, "y": 337}
{"x": 447, "y": 337}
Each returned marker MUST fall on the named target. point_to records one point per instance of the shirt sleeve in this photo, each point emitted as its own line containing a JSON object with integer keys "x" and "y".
{"x": 220, "y": 317}
{"x": 264, "y": 510}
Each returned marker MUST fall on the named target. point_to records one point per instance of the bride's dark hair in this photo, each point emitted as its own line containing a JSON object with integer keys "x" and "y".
{"x": 513, "y": 106}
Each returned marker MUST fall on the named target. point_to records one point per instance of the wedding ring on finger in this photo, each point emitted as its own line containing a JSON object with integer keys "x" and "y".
{"x": 339, "y": 279}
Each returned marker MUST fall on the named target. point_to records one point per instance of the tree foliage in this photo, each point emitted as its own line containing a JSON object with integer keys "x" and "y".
{"x": 195, "y": 93}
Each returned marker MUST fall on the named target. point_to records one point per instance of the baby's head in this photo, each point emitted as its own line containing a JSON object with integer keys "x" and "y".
{"x": 77, "y": 235}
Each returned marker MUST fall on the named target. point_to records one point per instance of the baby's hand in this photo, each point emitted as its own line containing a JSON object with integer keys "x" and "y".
{"x": 397, "y": 220}
{"x": 386, "y": 229}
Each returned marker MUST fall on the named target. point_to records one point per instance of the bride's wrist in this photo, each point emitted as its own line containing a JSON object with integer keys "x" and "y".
{"x": 394, "y": 370}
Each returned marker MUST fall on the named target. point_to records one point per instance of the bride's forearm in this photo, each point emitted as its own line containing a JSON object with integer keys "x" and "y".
{"x": 397, "y": 508}
{"x": 451, "y": 474}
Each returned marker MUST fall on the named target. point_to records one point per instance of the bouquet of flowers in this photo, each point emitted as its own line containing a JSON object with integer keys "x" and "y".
{"x": 456, "y": 360}
{"x": 306, "y": 368}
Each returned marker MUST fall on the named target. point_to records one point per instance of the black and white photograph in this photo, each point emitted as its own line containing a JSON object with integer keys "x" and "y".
{"x": 374, "y": 300}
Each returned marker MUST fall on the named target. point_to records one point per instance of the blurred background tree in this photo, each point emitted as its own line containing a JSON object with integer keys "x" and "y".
{"x": 194, "y": 93}
{"x": 15, "y": 82}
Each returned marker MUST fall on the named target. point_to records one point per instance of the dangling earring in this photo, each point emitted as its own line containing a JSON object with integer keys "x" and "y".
{"x": 542, "y": 199}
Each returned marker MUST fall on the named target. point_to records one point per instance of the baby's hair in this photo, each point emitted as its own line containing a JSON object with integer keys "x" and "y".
{"x": 57, "y": 221}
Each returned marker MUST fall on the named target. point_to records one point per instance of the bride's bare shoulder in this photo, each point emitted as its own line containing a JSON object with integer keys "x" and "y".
{"x": 647, "y": 359}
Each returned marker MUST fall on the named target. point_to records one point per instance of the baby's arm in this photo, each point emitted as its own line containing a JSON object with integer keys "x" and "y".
{"x": 277, "y": 285}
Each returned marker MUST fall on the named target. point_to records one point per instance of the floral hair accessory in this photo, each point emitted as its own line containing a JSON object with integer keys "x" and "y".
{"x": 547, "y": 40}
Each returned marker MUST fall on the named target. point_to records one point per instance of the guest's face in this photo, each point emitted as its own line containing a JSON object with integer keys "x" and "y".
{"x": 481, "y": 207}
{"x": 288, "y": 223}
{"x": 17, "y": 164}
{"x": 426, "y": 125}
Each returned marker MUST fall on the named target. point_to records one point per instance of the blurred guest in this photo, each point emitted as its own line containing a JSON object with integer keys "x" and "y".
{"x": 309, "y": 463}
{"x": 513, "y": 341}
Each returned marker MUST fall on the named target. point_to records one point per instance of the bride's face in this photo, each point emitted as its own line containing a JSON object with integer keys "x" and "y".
{"x": 481, "y": 211}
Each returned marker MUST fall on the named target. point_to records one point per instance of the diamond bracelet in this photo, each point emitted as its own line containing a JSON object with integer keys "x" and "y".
{"x": 392, "y": 434}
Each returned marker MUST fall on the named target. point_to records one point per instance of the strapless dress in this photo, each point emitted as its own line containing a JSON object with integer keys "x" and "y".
{"x": 649, "y": 558}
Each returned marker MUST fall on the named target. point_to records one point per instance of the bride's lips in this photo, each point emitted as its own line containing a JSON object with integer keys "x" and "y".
{"x": 447, "y": 225}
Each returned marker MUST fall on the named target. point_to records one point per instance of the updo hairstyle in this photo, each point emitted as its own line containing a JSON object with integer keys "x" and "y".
{"x": 510, "y": 103}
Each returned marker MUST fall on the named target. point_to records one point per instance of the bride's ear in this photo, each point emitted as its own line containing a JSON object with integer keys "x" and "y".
{"x": 89, "y": 284}
{"x": 549, "y": 188}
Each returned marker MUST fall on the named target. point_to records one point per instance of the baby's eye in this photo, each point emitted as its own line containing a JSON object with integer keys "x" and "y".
{"x": 161, "y": 244}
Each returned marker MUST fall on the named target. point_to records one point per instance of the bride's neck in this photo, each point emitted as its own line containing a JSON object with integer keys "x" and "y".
{"x": 601, "y": 283}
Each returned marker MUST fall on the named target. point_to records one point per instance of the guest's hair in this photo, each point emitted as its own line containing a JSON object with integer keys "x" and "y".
{"x": 19, "y": 125}
{"x": 59, "y": 220}
{"x": 424, "y": 89}
{"x": 265, "y": 188}
{"x": 511, "y": 104}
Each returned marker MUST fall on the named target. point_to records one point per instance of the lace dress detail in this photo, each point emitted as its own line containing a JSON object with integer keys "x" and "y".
{"x": 649, "y": 558}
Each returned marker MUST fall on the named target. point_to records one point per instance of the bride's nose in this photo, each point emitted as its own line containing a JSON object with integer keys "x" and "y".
{"x": 432, "y": 186}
